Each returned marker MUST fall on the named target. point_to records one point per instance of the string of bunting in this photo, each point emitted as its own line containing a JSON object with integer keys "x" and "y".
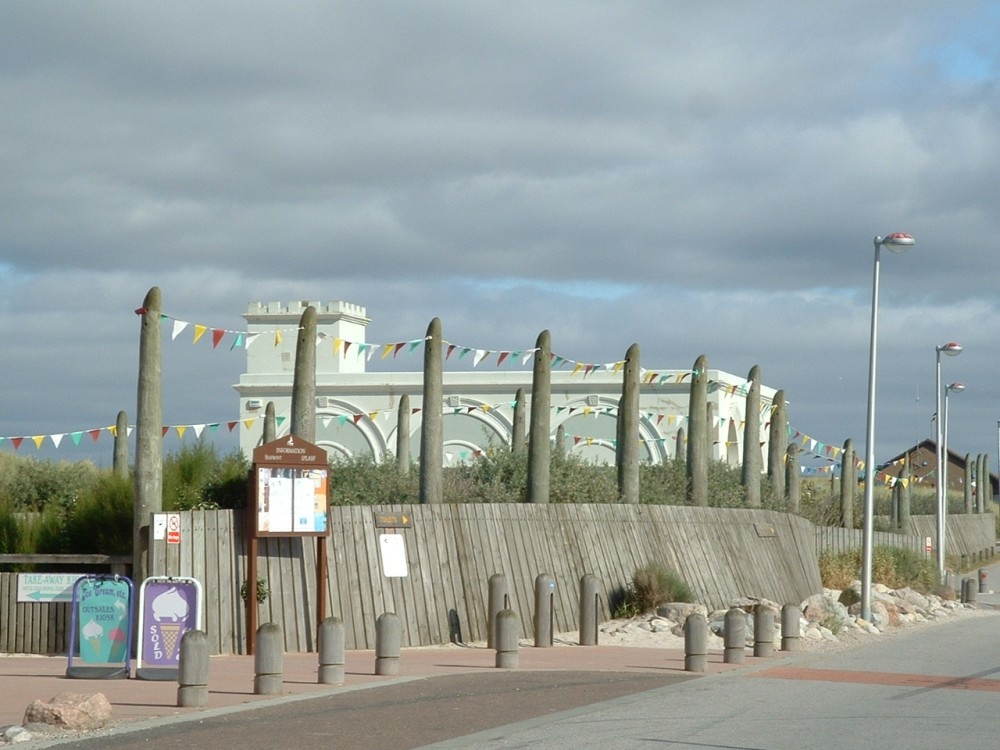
{"x": 477, "y": 355}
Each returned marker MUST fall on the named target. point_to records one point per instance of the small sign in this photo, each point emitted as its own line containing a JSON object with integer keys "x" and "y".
{"x": 168, "y": 608}
{"x": 393, "y": 521}
{"x": 46, "y": 587}
{"x": 393, "y": 550}
{"x": 928, "y": 545}
{"x": 159, "y": 526}
{"x": 101, "y": 627}
{"x": 173, "y": 528}
{"x": 765, "y": 531}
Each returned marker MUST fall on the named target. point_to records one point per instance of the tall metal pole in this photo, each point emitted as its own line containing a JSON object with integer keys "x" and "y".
{"x": 952, "y": 350}
{"x": 896, "y": 242}
{"x": 939, "y": 468}
{"x": 869, "y": 503}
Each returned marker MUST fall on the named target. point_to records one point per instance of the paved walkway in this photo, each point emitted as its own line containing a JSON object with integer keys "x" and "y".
{"x": 231, "y": 679}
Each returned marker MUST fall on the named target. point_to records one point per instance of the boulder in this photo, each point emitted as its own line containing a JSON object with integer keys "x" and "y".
{"x": 75, "y": 711}
{"x": 678, "y": 611}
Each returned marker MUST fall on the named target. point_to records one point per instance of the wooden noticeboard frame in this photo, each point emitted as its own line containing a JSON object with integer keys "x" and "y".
{"x": 288, "y": 484}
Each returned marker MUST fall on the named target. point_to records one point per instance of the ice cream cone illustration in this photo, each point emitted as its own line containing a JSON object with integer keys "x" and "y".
{"x": 93, "y": 634}
{"x": 170, "y": 632}
{"x": 118, "y": 642}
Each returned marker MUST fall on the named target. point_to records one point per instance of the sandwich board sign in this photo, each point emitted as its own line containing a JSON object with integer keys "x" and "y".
{"x": 101, "y": 628}
{"x": 168, "y": 608}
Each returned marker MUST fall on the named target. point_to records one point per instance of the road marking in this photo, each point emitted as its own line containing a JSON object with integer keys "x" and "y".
{"x": 881, "y": 678}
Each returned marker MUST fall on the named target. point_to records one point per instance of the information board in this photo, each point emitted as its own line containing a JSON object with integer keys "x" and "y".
{"x": 290, "y": 488}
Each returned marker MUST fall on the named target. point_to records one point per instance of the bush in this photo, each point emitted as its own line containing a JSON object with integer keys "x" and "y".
{"x": 891, "y": 566}
{"x": 197, "y": 478}
{"x": 652, "y": 585}
{"x": 100, "y": 522}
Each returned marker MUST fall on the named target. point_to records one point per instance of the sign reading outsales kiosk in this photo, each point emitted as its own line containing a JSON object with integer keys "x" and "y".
{"x": 290, "y": 486}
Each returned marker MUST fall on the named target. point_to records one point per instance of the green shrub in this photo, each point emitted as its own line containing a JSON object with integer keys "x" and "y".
{"x": 101, "y": 520}
{"x": 891, "y": 566}
{"x": 652, "y": 585}
{"x": 197, "y": 478}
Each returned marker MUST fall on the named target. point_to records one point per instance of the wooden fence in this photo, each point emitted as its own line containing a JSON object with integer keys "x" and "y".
{"x": 452, "y": 550}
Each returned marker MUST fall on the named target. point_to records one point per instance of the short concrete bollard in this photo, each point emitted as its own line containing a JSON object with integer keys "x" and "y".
{"x": 790, "y": 621}
{"x": 331, "y": 652}
{"x": 545, "y": 592}
{"x": 763, "y": 631}
{"x": 589, "y": 609}
{"x": 969, "y": 590}
{"x": 192, "y": 671}
{"x": 508, "y": 633}
{"x": 734, "y": 636}
{"x": 388, "y": 640}
{"x": 498, "y": 600}
{"x": 269, "y": 660}
{"x": 695, "y": 643}
{"x": 983, "y": 577}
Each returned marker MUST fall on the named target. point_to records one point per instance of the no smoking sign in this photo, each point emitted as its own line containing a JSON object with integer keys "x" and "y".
{"x": 173, "y": 528}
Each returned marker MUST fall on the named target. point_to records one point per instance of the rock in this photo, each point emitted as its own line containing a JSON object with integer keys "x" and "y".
{"x": 75, "y": 711}
{"x": 679, "y": 611}
{"x": 825, "y": 610}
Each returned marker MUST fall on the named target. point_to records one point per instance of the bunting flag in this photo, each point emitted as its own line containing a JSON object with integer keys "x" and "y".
{"x": 96, "y": 433}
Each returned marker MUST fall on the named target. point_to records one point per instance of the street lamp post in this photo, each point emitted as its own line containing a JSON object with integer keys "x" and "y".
{"x": 897, "y": 242}
{"x": 950, "y": 388}
{"x": 952, "y": 350}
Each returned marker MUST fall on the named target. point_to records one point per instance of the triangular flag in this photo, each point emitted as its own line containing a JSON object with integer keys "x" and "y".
{"x": 217, "y": 336}
{"x": 199, "y": 331}
{"x": 179, "y": 325}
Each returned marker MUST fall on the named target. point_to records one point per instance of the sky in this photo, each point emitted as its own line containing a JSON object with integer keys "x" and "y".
{"x": 698, "y": 178}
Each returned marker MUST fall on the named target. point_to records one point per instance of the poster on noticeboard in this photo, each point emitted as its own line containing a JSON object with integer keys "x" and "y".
{"x": 290, "y": 488}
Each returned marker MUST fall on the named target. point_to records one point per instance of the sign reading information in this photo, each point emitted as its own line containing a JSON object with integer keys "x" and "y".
{"x": 290, "y": 487}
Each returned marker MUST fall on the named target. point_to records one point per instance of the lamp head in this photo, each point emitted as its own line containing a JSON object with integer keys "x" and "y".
{"x": 897, "y": 242}
{"x": 956, "y": 387}
{"x": 952, "y": 349}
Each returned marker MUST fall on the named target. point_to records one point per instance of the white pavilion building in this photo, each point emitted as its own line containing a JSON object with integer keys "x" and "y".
{"x": 356, "y": 410}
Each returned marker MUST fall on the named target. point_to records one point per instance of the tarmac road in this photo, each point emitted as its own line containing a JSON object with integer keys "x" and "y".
{"x": 395, "y": 717}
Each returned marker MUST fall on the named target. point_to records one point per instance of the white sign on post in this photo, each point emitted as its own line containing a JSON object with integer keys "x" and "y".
{"x": 46, "y": 587}
{"x": 393, "y": 555}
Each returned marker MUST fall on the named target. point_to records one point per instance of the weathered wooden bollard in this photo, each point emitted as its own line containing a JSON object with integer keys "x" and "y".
{"x": 695, "y": 643}
{"x": 763, "y": 631}
{"x": 192, "y": 671}
{"x": 269, "y": 660}
{"x": 508, "y": 633}
{"x": 589, "y": 610}
{"x": 545, "y": 592}
{"x": 498, "y": 601}
{"x": 388, "y": 640}
{"x": 790, "y": 620}
{"x": 734, "y": 636}
{"x": 331, "y": 652}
